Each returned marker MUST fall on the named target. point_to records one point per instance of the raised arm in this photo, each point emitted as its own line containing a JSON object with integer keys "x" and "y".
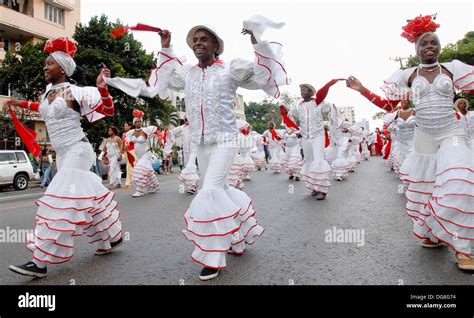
{"x": 323, "y": 91}
{"x": 266, "y": 72}
{"x": 385, "y": 104}
{"x": 107, "y": 104}
{"x": 33, "y": 106}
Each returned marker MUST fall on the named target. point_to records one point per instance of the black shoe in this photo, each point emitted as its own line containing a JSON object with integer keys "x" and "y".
{"x": 116, "y": 243}
{"x": 320, "y": 196}
{"x": 314, "y": 193}
{"x": 208, "y": 273}
{"x": 297, "y": 179}
{"x": 291, "y": 178}
{"x": 29, "y": 269}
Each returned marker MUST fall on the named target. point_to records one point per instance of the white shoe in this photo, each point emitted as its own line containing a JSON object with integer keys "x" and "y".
{"x": 137, "y": 194}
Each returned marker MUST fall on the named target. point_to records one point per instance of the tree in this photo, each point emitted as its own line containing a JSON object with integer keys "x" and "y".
{"x": 22, "y": 73}
{"x": 259, "y": 114}
{"x": 125, "y": 57}
{"x": 379, "y": 115}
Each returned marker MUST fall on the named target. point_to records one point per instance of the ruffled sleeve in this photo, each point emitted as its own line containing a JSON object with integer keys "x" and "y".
{"x": 170, "y": 73}
{"x": 89, "y": 100}
{"x": 267, "y": 72}
{"x": 336, "y": 118}
{"x": 150, "y": 131}
{"x": 178, "y": 131}
{"x": 463, "y": 75}
{"x": 396, "y": 86}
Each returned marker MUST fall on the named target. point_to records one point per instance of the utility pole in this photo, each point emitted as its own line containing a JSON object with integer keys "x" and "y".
{"x": 399, "y": 59}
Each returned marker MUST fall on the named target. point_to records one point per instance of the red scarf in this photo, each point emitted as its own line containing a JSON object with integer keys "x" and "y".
{"x": 27, "y": 135}
{"x": 327, "y": 141}
{"x": 288, "y": 122}
{"x": 275, "y": 135}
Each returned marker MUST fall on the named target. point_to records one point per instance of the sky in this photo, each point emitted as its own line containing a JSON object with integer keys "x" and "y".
{"x": 321, "y": 40}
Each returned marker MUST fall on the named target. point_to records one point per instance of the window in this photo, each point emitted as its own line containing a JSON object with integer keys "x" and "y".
{"x": 21, "y": 157}
{"x": 7, "y": 157}
{"x": 53, "y": 14}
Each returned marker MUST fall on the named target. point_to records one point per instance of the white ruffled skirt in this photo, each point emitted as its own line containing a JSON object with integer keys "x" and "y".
{"x": 189, "y": 177}
{"x": 341, "y": 165}
{"x": 219, "y": 217}
{"x": 293, "y": 161}
{"x": 235, "y": 176}
{"x": 144, "y": 177}
{"x": 275, "y": 162}
{"x": 259, "y": 159}
{"x": 75, "y": 203}
{"x": 315, "y": 171}
{"x": 440, "y": 195}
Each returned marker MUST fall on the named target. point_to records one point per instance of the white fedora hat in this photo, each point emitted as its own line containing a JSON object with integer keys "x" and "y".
{"x": 189, "y": 37}
{"x": 309, "y": 86}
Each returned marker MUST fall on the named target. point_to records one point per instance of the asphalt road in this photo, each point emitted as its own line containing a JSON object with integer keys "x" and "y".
{"x": 295, "y": 249}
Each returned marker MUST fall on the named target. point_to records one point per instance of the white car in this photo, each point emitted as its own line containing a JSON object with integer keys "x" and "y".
{"x": 15, "y": 169}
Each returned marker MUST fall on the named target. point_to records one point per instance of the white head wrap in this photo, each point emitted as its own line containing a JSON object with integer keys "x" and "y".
{"x": 65, "y": 61}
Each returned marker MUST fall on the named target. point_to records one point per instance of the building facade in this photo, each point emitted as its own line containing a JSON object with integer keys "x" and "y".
{"x": 348, "y": 112}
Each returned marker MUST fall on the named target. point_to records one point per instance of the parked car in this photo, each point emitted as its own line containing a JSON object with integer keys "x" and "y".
{"x": 15, "y": 169}
{"x": 156, "y": 163}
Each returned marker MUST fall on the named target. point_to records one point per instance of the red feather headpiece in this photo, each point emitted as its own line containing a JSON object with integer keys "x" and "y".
{"x": 418, "y": 26}
{"x": 138, "y": 113}
{"x": 62, "y": 44}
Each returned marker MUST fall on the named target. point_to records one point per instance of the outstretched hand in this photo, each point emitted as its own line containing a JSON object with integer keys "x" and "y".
{"x": 104, "y": 72}
{"x": 165, "y": 36}
{"x": 252, "y": 37}
{"x": 11, "y": 102}
{"x": 354, "y": 83}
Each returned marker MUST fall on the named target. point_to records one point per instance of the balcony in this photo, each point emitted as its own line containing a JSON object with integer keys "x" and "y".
{"x": 18, "y": 26}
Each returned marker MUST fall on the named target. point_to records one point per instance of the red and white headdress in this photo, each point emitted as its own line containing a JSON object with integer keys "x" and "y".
{"x": 62, "y": 49}
{"x": 137, "y": 115}
{"x": 418, "y": 28}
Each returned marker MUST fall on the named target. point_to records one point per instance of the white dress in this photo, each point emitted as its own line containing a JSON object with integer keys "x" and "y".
{"x": 113, "y": 154}
{"x": 470, "y": 128}
{"x": 275, "y": 149}
{"x": 293, "y": 160}
{"x": 258, "y": 154}
{"x": 440, "y": 169}
{"x": 188, "y": 176}
{"x": 405, "y": 134}
{"x": 144, "y": 177}
{"x": 75, "y": 202}
{"x": 246, "y": 146}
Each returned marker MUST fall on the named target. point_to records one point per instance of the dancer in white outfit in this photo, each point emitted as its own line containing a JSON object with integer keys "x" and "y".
{"x": 246, "y": 145}
{"x": 364, "y": 145}
{"x": 440, "y": 169}
{"x": 113, "y": 148}
{"x": 309, "y": 112}
{"x": 462, "y": 106}
{"x": 144, "y": 178}
{"x": 258, "y": 153}
{"x": 188, "y": 176}
{"x": 405, "y": 121}
{"x": 75, "y": 202}
{"x": 220, "y": 218}
{"x": 274, "y": 139}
